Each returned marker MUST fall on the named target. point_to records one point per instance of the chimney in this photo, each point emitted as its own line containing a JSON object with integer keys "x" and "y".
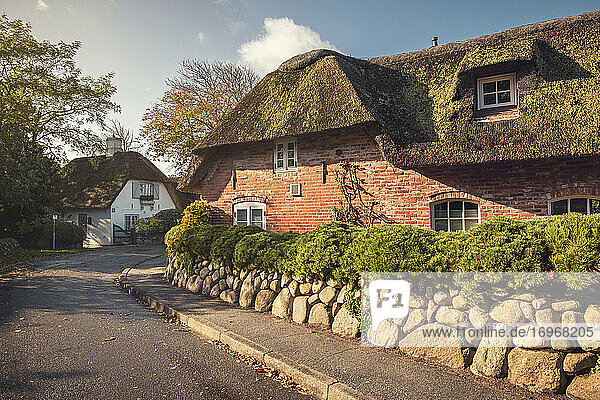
{"x": 434, "y": 41}
{"x": 113, "y": 145}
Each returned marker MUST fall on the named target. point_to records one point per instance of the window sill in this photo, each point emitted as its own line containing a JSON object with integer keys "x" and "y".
{"x": 496, "y": 114}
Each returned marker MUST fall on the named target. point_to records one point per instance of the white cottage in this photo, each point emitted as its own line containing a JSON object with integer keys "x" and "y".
{"x": 106, "y": 194}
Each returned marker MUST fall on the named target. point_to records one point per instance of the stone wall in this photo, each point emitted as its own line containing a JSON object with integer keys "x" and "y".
{"x": 537, "y": 365}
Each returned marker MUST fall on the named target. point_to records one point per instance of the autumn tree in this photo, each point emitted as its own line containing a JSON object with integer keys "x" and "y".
{"x": 194, "y": 102}
{"x": 43, "y": 94}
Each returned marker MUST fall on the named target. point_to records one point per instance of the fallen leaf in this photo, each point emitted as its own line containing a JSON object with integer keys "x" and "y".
{"x": 108, "y": 339}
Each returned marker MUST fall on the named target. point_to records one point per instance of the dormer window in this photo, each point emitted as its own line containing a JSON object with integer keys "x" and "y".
{"x": 285, "y": 155}
{"x": 496, "y": 91}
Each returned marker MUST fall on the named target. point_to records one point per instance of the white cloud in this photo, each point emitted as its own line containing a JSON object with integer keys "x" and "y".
{"x": 200, "y": 36}
{"x": 41, "y": 5}
{"x": 282, "y": 40}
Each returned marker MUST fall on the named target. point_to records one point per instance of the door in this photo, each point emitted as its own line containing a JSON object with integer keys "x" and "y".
{"x": 82, "y": 222}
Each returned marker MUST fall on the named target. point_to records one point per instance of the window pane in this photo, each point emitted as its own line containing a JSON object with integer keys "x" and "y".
{"x": 242, "y": 216}
{"x": 291, "y": 145}
{"x": 558, "y": 207}
{"x": 456, "y": 209}
{"x": 489, "y": 87}
{"x": 256, "y": 215}
{"x": 280, "y": 147}
{"x": 469, "y": 223}
{"x": 579, "y": 205}
{"x": 440, "y": 225}
{"x": 504, "y": 85}
{"x": 489, "y": 99}
{"x": 291, "y": 162}
{"x": 456, "y": 225}
{"x": 440, "y": 210}
{"x": 594, "y": 206}
{"x": 471, "y": 210}
{"x": 279, "y": 163}
{"x": 504, "y": 97}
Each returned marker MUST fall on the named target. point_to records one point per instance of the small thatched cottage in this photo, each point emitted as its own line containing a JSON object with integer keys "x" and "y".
{"x": 106, "y": 194}
{"x": 504, "y": 124}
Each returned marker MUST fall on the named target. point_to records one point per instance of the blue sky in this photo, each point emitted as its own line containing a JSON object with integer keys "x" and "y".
{"x": 141, "y": 41}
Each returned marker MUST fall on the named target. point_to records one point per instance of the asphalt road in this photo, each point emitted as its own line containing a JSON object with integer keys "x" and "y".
{"x": 66, "y": 332}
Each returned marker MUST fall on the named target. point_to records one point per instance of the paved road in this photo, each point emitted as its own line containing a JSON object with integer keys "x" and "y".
{"x": 66, "y": 332}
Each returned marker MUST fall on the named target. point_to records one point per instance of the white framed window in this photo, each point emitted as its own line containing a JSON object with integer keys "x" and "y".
{"x": 285, "y": 155}
{"x": 583, "y": 205}
{"x": 496, "y": 91}
{"x": 250, "y": 213}
{"x": 454, "y": 215}
{"x": 130, "y": 220}
{"x": 145, "y": 190}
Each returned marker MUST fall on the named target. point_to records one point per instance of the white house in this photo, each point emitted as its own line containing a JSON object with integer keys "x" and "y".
{"x": 106, "y": 194}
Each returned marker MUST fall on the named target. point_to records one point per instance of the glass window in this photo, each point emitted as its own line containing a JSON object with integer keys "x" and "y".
{"x": 285, "y": 155}
{"x": 495, "y": 91}
{"x": 583, "y": 205}
{"x": 249, "y": 213}
{"x": 129, "y": 221}
{"x": 455, "y": 215}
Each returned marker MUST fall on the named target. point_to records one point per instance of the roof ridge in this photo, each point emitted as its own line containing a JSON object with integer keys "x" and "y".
{"x": 511, "y": 33}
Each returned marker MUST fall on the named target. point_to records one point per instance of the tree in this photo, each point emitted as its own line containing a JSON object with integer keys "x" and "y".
{"x": 43, "y": 94}
{"x": 25, "y": 181}
{"x": 195, "y": 101}
{"x": 116, "y": 129}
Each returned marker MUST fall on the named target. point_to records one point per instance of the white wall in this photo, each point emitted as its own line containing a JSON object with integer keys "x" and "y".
{"x": 125, "y": 204}
{"x": 98, "y": 231}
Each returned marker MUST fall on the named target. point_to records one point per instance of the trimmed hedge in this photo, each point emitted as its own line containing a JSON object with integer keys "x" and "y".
{"x": 158, "y": 225}
{"x": 8, "y": 246}
{"x": 561, "y": 243}
{"x": 38, "y": 234}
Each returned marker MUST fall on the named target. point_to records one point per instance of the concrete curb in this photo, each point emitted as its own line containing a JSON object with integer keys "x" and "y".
{"x": 319, "y": 384}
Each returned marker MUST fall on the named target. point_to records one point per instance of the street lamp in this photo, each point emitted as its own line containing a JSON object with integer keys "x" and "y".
{"x": 54, "y": 218}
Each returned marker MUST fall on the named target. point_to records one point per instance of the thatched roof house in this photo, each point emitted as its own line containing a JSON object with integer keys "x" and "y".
{"x": 423, "y": 108}
{"x": 108, "y": 193}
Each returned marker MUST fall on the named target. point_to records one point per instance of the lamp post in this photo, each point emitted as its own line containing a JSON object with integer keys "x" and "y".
{"x": 54, "y": 218}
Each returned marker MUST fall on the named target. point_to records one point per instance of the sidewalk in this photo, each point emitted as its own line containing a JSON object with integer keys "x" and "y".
{"x": 329, "y": 365}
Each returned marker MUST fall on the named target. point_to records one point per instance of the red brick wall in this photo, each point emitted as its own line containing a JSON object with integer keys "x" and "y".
{"x": 519, "y": 190}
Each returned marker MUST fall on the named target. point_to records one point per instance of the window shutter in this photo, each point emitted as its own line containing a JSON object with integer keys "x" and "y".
{"x": 136, "y": 190}
{"x": 156, "y": 190}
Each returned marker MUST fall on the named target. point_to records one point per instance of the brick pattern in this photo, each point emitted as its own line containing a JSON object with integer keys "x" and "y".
{"x": 515, "y": 189}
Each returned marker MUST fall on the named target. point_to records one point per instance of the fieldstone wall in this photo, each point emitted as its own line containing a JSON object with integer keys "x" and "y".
{"x": 536, "y": 364}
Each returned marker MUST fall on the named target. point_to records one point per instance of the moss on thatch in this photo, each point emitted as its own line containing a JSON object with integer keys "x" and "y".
{"x": 420, "y": 106}
{"x": 95, "y": 182}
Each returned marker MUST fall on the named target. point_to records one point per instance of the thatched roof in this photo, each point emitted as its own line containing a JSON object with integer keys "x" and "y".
{"x": 95, "y": 182}
{"x": 419, "y": 106}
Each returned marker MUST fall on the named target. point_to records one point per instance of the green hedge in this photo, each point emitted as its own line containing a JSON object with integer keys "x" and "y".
{"x": 157, "y": 225}
{"x": 562, "y": 243}
{"x": 8, "y": 246}
{"x": 38, "y": 234}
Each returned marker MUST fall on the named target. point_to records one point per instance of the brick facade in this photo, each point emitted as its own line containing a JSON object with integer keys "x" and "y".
{"x": 516, "y": 189}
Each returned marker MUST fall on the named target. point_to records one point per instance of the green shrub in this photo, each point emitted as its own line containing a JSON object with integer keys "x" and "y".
{"x": 37, "y": 234}
{"x": 263, "y": 249}
{"x": 574, "y": 242}
{"x": 319, "y": 252}
{"x": 197, "y": 212}
{"x": 8, "y": 246}
{"x": 158, "y": 225}
{"x": 224, "y": 245}
{"x": 387, "y": 248}
{"x": 503, "y": 244}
